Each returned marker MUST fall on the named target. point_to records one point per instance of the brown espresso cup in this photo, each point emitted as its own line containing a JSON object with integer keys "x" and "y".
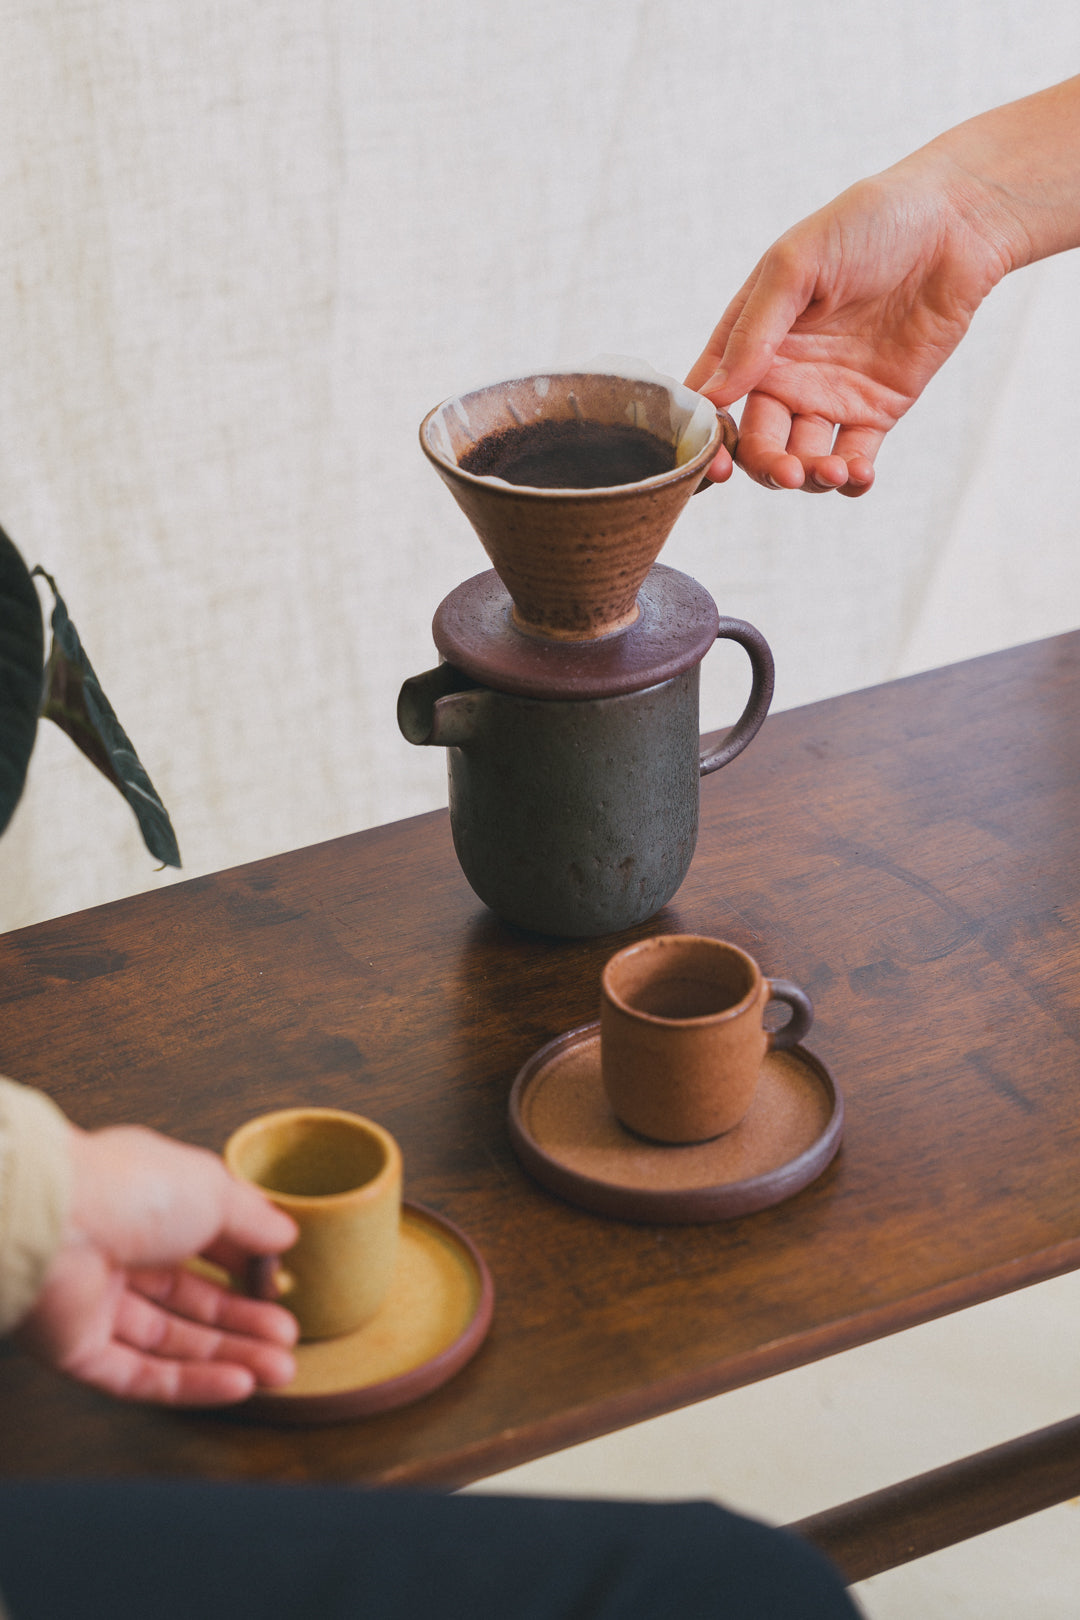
{"x": 339, "y": 1177}
{"x": 682, "y": 1037}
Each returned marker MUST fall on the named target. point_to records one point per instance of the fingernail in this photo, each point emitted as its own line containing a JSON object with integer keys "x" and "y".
{"x": 718, "y": 379}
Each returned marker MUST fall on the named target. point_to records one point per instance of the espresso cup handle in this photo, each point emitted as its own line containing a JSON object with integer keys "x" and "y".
{"x": 802, "y": 1013}
{"x": 260, "y": 1276}
{"x": 757, "y": 704}
{"x": 266, "y": 1278}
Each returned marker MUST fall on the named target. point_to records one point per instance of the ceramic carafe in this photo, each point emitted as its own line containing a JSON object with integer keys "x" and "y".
{"x": 567, "y": 694}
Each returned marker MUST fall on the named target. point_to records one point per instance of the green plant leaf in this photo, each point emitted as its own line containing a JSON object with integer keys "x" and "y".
{"x": 22, "y": 654}
{"x": 76, "y": 703}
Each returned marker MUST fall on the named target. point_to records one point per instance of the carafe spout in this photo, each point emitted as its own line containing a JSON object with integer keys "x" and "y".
{"x": 440, "y": 708}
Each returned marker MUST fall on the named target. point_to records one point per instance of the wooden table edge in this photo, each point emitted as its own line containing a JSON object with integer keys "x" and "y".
{"x": 513, "y": 1447}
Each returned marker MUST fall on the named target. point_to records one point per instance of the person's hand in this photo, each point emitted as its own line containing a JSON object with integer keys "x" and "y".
{"x": 845, "y": 320}
{"x": 121, "y": 1311}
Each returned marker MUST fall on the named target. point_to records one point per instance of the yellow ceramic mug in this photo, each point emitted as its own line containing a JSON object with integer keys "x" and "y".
{"x": 339, "y": 1177}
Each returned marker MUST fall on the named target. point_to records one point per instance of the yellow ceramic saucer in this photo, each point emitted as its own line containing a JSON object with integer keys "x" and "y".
{"x": 432, "y": 1322}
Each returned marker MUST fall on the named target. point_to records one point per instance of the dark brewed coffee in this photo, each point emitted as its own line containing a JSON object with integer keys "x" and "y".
{"x": 570, "y": 455}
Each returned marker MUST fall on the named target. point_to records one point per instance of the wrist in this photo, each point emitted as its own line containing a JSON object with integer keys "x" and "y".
{"x": 35, "y": 1195}
{"x": 1014, "y": 173}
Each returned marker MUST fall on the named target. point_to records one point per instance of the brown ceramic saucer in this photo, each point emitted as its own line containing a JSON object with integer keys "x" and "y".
{"x": 475, "y": 631}
{"x": 566, "y": 1136}
{"x": 432, "y": 1322}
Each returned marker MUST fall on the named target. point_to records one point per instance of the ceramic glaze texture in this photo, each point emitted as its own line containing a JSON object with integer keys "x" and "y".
{"x": 568, "y": 700}
{"x": 572, "y": 818}
{"x": 573, "y": 560}
{"x": 681, "y": 1035}
{"x": 433, "y": 1320}
{"x": 565, "y": 1134}
{"x": 339, "y": 1177}
{"x": 577, "y": 814}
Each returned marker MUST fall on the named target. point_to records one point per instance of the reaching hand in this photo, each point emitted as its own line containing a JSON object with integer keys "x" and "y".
{"x": 845, "y": 320}
{"x": 849, "y": 315}
{"x": 120, "y": 1310}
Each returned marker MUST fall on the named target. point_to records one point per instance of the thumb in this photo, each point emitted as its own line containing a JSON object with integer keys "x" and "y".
{"x": 755, "y": 324}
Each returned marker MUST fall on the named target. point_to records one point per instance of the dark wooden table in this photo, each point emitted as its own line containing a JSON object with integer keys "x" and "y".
{"x": 908, "y": 853}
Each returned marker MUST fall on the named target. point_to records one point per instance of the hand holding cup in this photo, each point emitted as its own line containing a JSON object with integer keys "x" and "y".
{"x": 339, "y": 1176}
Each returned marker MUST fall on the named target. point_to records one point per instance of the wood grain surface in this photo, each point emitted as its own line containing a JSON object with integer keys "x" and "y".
{"x": 907, "y": 853}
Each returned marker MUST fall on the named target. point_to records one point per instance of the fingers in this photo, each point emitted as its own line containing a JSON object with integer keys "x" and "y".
{"x": 159, "y": 1334}
{"x": 808, "y": 459}
{"x": 705, "y": 375}
{"x": 763, "y": 444}
{"x": 161, "y": 1329}
{"x": 251, "y": 1221}
{"x": 709, "y": 361}
{"x": 200, "y": 1300}
{"x": 858, "y": 446}
{"x": 129, "y": 1374}
{"x": 755, "y": 324}
{"x": 149, "y": 1200}
{"x": 720, "y": 468}
{"x": 211, "y": 1356}
{"x": 810, "y": 441}
{"x": 858, "y": 486}
{"x": 784, "y": 451}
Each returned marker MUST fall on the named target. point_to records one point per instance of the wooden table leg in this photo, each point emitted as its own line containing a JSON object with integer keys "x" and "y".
{"x": 950, "y": 1504}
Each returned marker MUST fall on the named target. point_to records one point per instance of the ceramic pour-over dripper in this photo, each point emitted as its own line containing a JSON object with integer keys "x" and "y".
{"x": 567, "y": 693}
{"x": 574, "y": 559}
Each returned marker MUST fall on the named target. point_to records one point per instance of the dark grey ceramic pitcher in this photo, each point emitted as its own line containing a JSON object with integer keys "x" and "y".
{"x": 578, "y": 815}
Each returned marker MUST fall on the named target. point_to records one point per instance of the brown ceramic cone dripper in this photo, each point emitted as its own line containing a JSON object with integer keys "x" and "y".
{"x": 573, "y": 560}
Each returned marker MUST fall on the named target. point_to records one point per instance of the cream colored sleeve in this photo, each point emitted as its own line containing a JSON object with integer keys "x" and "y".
{"x": 35, "y": 1185}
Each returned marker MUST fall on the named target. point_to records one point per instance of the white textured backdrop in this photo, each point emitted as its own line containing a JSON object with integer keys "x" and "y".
{"x": 244, "y": 247}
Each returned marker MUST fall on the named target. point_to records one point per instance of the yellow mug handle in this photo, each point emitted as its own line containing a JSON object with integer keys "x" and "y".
{"x": 266, "y": 1278}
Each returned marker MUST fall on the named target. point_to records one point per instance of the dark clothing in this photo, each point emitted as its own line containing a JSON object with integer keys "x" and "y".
{"x": 159, "y": 1550}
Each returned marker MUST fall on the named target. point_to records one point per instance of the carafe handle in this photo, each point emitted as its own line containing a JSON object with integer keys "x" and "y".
{"x": 761, "y": 691}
